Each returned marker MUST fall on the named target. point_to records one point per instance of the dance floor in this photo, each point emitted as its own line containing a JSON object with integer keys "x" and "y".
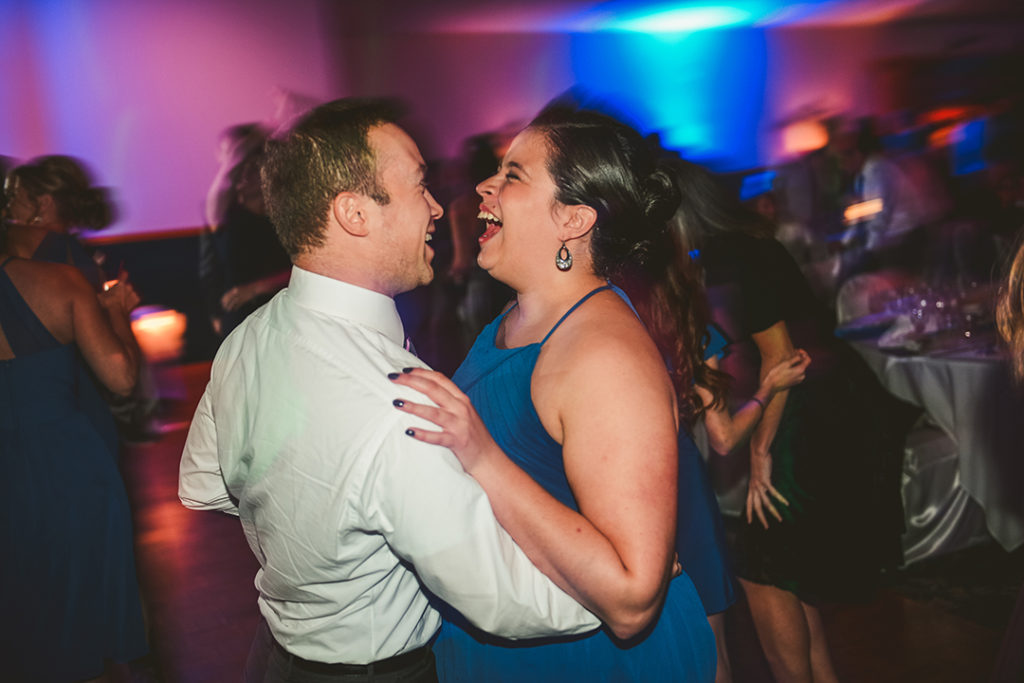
{"x": 197, "y": 578}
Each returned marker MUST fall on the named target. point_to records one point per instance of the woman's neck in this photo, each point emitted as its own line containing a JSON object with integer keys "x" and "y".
{"x": 539, "y": 307}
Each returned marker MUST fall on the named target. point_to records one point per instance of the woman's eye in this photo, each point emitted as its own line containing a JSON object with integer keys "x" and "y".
{"x": 511, "y": 176}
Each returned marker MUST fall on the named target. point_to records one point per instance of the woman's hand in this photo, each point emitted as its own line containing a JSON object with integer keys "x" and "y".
{"x": 787, "y": 373}
{"x": 120, "y": 297}
{"x": 462, "y": 430}
{"x": 760, "y": 490}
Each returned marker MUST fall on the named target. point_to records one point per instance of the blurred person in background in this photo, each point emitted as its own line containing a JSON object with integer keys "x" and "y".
{"x": 701, "y": 543}
{"x": 823, "y": 509}
{"x": 50, "y": 198}
{"x": 241, "y": 261}
{"x": 71, "y": 601}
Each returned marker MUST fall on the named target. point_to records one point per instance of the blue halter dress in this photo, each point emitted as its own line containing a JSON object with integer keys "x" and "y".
{"x": 68, "y": 590}
{"x": 678, "y": 647}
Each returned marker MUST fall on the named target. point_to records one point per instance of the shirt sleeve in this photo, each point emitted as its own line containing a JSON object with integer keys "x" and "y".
{"x": 200, "y": 481}
{"x": 437, "y": 517}
{"x": 761, "y": 284}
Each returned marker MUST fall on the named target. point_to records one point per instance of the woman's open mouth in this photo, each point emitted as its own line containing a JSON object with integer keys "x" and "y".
{"x": 492, "y": 225}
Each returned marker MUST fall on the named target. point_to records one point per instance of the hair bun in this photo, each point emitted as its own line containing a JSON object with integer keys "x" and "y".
{"x": 91, "y": 208}
{"x": 661, "y": 197}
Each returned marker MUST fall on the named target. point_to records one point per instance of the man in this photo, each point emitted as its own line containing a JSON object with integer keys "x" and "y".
{"x": 298, "y": 435}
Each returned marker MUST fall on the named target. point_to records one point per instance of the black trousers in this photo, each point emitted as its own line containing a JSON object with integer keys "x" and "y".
{"x": 268, "y": 662}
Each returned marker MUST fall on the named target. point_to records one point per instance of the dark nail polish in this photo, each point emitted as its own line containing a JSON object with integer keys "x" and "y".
{"x": 398, "y": 403}
{"x": 407, "y": 370}
{"x": 410, "y": 432}
{"x": 393, "y": 375}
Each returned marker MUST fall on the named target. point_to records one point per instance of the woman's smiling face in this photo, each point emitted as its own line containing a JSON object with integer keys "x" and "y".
{"x": 519, "y": 209}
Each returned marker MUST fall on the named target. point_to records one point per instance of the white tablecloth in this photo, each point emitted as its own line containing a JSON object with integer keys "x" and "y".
{"x": 971, "y": 397}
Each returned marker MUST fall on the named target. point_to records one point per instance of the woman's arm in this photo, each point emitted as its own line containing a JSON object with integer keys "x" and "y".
{"x": 615, "y": 417}
{"x": 725, "y": 431}
{"x": 102, "y": 330}
{"x": 775, "y": 346}
{"x": 236, "y": 297}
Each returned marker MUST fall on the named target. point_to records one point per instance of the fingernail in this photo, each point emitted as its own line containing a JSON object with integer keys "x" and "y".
{"x": 410, "y": 432}
{"x": 398, "y": 403}
{"x": 393, "y": 375}
{"x": 407, "y": 370}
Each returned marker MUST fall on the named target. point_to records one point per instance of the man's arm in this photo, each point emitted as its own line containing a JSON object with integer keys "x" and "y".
{"x": 200, "y": 482}
{"x": 438, "y": 518}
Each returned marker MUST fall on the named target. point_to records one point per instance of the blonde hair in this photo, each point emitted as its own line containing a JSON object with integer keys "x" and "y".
{"x": 1010, "y": 311}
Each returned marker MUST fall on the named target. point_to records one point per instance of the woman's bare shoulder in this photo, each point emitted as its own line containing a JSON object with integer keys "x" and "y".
{"x": 47, "y": 274}
{"x": 603, "y": 337}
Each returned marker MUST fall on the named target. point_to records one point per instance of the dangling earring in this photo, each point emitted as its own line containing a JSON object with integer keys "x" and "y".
{"x": 563, "y": 261}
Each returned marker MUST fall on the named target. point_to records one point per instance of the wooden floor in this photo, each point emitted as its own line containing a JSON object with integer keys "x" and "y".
{"x": 197, "y": 576}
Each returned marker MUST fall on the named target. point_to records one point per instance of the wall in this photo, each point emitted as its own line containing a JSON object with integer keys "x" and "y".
{"x": 140, "y": 90}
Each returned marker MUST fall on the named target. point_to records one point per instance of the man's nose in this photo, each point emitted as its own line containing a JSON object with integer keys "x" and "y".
{"x": 436, "y": 210}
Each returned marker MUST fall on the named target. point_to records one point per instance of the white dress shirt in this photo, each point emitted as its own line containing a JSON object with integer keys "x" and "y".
{"x": 881, "y": 178}
{"x": 297, "y": 435}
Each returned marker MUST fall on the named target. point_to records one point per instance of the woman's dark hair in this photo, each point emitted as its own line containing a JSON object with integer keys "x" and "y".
{"x": 78, "y": 203}
{"x": 600, "y": 162}
{"x": 709, "y": 209}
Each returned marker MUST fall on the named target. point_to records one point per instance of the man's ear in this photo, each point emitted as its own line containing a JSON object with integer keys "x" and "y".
{"x": 577, "y": 221}
{"x": 350, "y": 211}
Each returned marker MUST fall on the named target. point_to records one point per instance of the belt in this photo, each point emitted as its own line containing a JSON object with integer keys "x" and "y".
{"x": 383, "y": 666}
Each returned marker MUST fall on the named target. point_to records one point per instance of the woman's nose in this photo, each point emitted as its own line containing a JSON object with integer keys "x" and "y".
{"x": 486, "y": 187}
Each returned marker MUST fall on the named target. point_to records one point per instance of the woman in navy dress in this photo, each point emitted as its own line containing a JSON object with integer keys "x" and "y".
{"x": 70, "y": 598}
{"x": 576, "y": 439}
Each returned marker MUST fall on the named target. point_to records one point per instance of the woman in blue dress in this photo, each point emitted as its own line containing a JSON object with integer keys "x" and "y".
{"x": 576, "y": 439}
{"x": 70, "y": 599}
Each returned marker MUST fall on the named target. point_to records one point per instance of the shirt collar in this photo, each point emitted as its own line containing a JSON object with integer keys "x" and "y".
{"x": 344, "y": 300}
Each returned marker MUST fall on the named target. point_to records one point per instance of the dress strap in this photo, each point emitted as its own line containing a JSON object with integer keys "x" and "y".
{"x": 574, "y": 307}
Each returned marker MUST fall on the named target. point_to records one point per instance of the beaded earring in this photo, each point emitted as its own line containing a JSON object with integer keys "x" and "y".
{"x": 563, "y": 261}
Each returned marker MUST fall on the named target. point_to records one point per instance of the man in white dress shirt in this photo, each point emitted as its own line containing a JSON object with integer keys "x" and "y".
{"x": 297, "y": 434}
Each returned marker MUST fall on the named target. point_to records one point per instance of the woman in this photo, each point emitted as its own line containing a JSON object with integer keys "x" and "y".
{"x": 700, "y": 543}
{"x": 1009, "y": 665}
{"x": 71, "y": 600}
{"x": 242, "y": 264}
{"x": 823, "y": 504}
{"x": 582, "y": 466}
{"x": 49, "y": 198}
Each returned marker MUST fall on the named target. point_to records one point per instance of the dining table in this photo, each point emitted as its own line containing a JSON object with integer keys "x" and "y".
{"x": 966, "y": 389}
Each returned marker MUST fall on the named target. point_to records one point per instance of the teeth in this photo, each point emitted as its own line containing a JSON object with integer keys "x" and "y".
{"x": 429, "y": 237}
{"x": 488, "y": 216}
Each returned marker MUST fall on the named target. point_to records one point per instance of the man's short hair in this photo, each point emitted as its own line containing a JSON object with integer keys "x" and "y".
{"x": 324, "y": 153}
